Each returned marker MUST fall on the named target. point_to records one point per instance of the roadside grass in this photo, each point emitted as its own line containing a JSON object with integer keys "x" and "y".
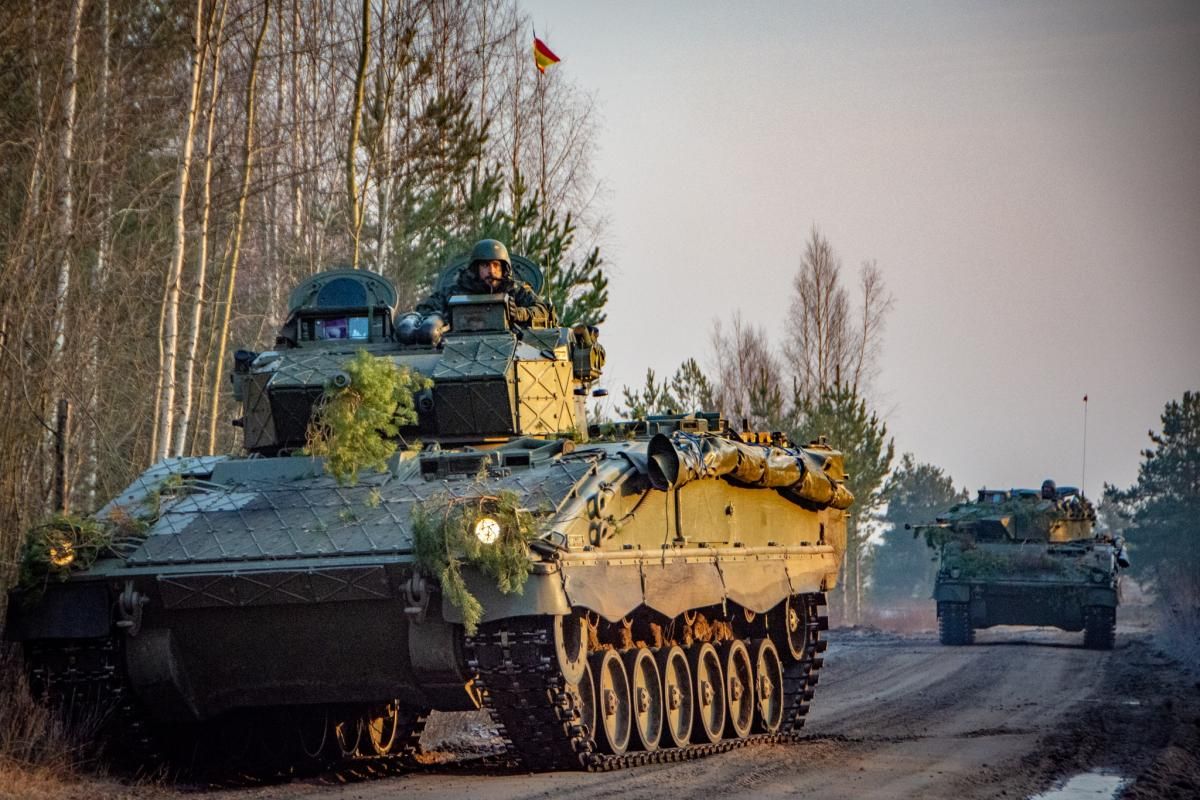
{"x": 1178, "y": 606}
{"x": 41, "y": 757}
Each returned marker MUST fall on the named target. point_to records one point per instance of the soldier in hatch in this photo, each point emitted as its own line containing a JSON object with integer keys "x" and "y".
{"x": 489, "y": 272}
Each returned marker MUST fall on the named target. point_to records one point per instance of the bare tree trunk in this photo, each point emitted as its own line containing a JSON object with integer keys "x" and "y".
{"x": 65, "y": 209}
{"x": 239, "y": 225}
{"x": 360, "y": 85}
{"x": 383, "y": 147}
{"x": 199, "y": 279}
{"x": 294, "y": 168}
{"x": 66, "y": 197}
{"x": 91, "y": 478}
{"x": 170, "y": 336}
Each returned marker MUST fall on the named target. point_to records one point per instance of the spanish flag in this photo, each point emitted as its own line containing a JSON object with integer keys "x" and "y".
{"x": 543, "y": 56}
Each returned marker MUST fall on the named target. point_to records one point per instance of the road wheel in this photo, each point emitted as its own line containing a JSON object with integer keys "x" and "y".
{"x": 390, "y": 728}
{"x": 789, "y": 628}
{"x": 645, "y": 693}
{"x": 954, "y": 624}
{"x": 570, "y": 645}
{"x": 768, "y": 686}
{"x": 1099, "y": 627}
{"x": 612, "y": 702}
{"x": 312, "y": 732}
{"x": 676, "y": 694}
{"x": 739, "y": 688}
{"x": 347, "y": 735}
{"x": 708, "y": 691}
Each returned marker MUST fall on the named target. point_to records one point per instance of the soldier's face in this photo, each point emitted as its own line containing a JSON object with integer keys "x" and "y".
{"x": 490, "y": 272}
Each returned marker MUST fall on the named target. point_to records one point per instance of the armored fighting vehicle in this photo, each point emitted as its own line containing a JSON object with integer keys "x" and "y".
{"x": 1026, "y": 557}
{"x": 651, "y": 594}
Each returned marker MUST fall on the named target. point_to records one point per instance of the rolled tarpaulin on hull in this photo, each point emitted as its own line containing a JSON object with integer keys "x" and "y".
{"x": 675, "y": 459}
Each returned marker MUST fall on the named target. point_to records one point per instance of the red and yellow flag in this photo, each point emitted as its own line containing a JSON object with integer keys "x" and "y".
{"x": 543, "y": 56}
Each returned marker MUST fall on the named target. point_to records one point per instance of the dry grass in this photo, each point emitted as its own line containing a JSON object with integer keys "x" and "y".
{"x": 1178, "y": 606}
{"x": 42, "y": 758}
{"x": 33, "y": 782}
{"x": 29, "y": 732}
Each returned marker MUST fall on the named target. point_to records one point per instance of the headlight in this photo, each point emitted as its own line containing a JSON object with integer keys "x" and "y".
{"x": 487, "y": 530}
{"x": 955, "y": 572}
{"x": 61, "y": 553}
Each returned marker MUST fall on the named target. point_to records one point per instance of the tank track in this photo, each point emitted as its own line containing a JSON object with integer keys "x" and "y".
{"x": 1099, "y": 627}
{"x": 83, "y": 681}
{"x": 954, "y": 624}
{"x": 539, "y": 717}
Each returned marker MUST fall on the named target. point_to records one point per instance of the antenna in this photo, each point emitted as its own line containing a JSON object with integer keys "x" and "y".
{"x": 1083, "y": 477}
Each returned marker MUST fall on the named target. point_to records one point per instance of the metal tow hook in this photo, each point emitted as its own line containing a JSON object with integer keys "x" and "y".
{"x": 129, "y": 609}
{"x": 416, "y": 597}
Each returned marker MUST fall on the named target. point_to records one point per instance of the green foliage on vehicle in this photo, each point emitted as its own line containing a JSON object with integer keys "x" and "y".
{"x": 354, "y": 426}
{"x": 1011, "y": 561}
{"x": 445, "y": 538}
{"x": 66, "y": 543}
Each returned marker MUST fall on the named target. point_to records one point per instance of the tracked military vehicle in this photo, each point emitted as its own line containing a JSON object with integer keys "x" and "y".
{"x": 255, "y": 608}
{"x": 1026, "y": 557}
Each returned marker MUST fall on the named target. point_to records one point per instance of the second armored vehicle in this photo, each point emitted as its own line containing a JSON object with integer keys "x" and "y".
{"x": 650, "y": 596}
{"x": 1026, "y": 557}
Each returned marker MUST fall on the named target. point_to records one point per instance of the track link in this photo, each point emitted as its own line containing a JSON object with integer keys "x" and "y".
{"x": 539, "y": 715}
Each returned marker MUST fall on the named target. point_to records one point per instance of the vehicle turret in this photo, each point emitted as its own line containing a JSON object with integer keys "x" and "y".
{"x": 492, "y": 381}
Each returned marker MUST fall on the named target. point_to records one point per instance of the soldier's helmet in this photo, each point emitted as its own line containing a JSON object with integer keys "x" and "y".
{"x": 1049, "y": 490}
{"x": 491, "y": 250}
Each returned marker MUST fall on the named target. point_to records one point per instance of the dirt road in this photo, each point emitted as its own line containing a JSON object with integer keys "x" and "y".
{"x": 902, "y": 716}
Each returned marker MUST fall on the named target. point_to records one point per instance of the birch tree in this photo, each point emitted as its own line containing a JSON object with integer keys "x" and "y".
{"x": 200, "y": 275}
{"x": 360, "y": 84}
{"x": 170, "y": 333}
{"x": 238, "y": 228}
{"x": 826, "y": 345}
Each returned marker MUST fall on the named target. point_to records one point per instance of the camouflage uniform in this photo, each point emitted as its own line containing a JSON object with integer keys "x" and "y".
{"x": 525, "y": 307}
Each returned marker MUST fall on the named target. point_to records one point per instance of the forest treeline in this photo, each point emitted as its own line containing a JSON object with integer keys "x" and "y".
{"x": 169, "y": 169}
{"x": 819, "y": 382}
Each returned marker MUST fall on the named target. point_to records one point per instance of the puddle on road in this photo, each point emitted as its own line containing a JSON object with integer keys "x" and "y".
{"x": 1088, "y": 786}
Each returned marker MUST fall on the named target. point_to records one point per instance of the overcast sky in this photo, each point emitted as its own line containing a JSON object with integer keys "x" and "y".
{"x": 1026, "y": 175}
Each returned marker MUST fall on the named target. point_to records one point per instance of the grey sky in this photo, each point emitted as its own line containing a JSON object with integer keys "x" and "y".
{"x": 1026, "y": 175}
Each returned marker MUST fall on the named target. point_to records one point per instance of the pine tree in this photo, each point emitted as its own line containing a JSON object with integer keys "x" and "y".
{"x": 903, "y": 566}
{"x": 842, "y": 415}
{"x": 654, "y": 398}
{"x": 1163, "y": 507}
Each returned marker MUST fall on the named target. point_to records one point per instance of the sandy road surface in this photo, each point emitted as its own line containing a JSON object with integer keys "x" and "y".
{"x": 899, "y": 717}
